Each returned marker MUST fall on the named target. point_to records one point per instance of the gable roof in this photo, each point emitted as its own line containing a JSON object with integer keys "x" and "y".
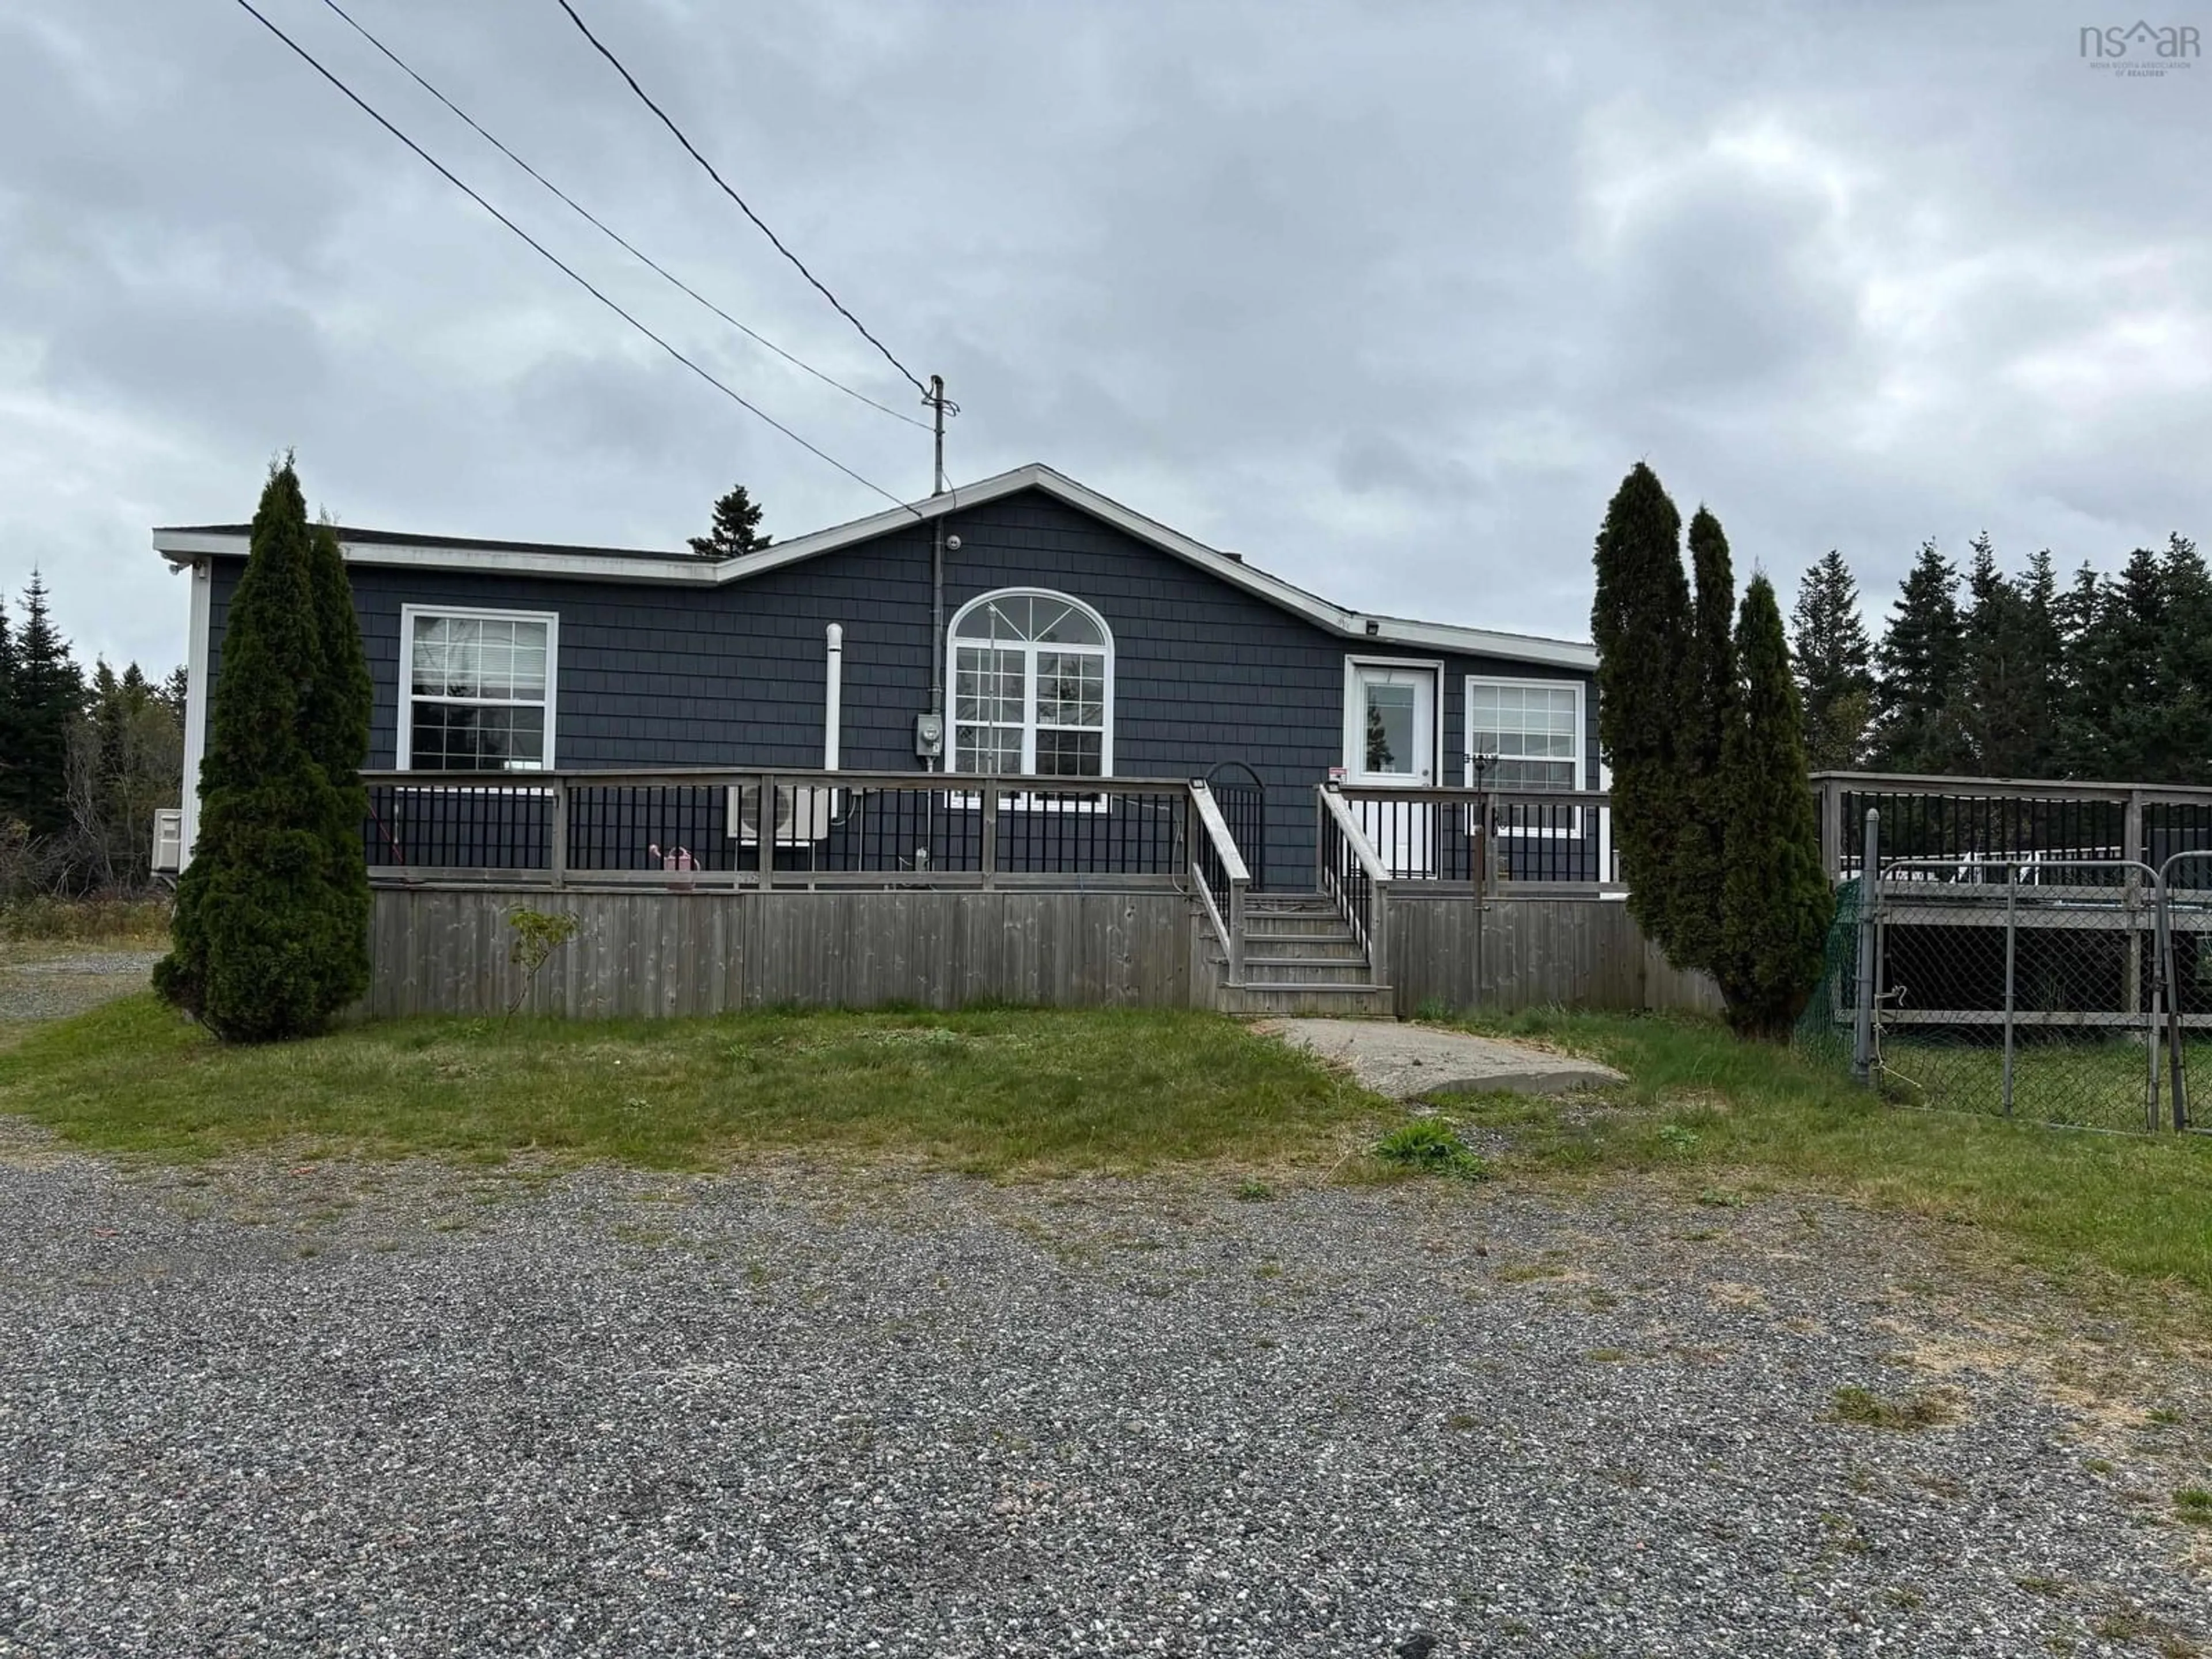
{"x": 183, "y": 543}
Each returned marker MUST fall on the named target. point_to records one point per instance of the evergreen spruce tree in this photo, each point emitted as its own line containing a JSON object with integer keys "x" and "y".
{"x": 46, "y": 694}
{"x": 736, "y": 528}
{"x": 124, "y": 755}
{"x": 2003, "y": 695}
{"x": 1776, "y": 904}
{"x": 171, "y": 693}
{"x": 2185, "y": 663}
{"x": 1708, "y": 708}
{"x": 2078, "y": 745}
{"x": 262, "y": 945}
{"x": 8, "y": 765}
{"x": 2043, "y": 640}
{"x": 1641, "y": 624}
{"x": 1835, "y": 666}
{"x": 1921, "y": 658}
{"x": 2118, "y": 714}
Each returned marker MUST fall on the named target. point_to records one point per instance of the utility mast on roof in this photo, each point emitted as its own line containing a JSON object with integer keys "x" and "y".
{"x": 943, "y": 406}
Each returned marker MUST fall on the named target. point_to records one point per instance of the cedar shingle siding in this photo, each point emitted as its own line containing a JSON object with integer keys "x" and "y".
{"x": 732, "y": 675}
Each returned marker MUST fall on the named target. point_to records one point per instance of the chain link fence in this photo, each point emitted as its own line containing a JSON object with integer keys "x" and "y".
{"x": 2032, "y": 986}
{"x": 2186, "y": 907}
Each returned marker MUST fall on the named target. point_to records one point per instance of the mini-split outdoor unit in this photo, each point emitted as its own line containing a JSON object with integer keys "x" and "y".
{"x": 168, "y": 840}
{"x": 802, "y": 813}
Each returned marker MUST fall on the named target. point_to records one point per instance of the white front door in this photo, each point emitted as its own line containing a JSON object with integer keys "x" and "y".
{"x": 1390, "y": 738}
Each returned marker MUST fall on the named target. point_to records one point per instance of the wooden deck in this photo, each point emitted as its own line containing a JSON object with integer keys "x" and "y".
{"x": 879, "y": 888}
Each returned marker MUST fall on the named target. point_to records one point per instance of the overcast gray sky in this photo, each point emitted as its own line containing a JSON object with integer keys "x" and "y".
{"x": 1386, "y": 297}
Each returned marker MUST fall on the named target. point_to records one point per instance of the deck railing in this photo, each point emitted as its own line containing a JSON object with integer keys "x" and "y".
{"x": 1996, "y": 821}
{"x": 1489, "y": 839}
{"x": 702, "y": 828}
{"x": 1218, "y": 875}
{"x": 1347, "y": 869}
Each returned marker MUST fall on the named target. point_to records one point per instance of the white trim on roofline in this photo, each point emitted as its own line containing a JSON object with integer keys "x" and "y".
{"x": 678, "y": 569}
{"x": 198, "y": 645}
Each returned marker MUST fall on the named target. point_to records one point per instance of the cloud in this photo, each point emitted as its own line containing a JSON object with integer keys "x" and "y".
{"x": 1385, "y": 296}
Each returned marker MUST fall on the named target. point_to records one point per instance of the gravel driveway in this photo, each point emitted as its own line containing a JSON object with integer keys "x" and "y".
{"x": 412, "y": 1409}
{"x": 50, "y": 981}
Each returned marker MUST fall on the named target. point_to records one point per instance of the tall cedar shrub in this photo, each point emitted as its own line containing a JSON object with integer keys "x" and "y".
{"x": 1641, "y": 624}
{"x": 1776, "y": 904}
{"x": 334, "y": 725}
{"x": 1708, "y": 708}
{"x": 264, "y": 943}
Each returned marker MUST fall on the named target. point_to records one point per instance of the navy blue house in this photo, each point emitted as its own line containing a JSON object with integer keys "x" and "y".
{"x": 1021, "y": 626}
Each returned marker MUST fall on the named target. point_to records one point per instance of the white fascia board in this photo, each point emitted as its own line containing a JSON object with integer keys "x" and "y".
{"x": 678, "y": 569}
{"x": 1487, "y": 643}
{"x": 183, "y": 549}
{"x": 179, "y": 549}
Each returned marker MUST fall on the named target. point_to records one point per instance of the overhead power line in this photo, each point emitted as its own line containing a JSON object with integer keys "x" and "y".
{"x": 591, "y": 219}
{"x": 560, "y": 265}
{"x": 693, "y": 151}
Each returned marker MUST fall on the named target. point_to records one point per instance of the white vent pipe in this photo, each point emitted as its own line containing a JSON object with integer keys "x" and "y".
{"x": 833, "y": 709}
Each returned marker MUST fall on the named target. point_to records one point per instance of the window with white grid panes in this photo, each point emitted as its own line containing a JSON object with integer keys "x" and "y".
{"x": 1032, "y": 678}
{"x": 1532, "y": 730}
{"x": 479, "y": 691}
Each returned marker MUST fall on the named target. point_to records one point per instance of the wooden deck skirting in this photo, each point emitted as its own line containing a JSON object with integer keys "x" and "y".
{"x": 657, "y": 952}
{"x": 1522, "y": 951}
{"x": 651, "y": 951}
{"x": 878, "y": 889}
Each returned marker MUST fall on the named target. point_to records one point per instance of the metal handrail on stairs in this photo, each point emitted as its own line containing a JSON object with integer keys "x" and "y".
{"x": 1219, "y": 874}
{"x": 1351, "y": 873}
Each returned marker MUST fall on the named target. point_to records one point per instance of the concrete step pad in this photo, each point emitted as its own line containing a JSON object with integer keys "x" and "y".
{"x": 1408, "y": 1062}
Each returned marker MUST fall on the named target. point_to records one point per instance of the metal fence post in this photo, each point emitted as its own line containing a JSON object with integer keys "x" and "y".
{"x": 987, "y": 855}
{"x": 2154, "y": 1018}
{"x": 2176, "y": 1032}
{"x": 1832, "y": 827}
{"x": 2012, "y": 910}
{"x": 764, "y": 827}
{"x": 557, "y": 852}
{"x": 1869, "y": 888}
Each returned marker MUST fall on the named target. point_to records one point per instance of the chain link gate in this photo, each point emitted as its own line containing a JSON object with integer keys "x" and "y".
{"x": 2185, "y": 957}
{"x": 2025, "y": 987}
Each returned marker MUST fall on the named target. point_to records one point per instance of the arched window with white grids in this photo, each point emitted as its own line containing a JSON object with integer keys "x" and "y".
{"x": 1032, "y": 679}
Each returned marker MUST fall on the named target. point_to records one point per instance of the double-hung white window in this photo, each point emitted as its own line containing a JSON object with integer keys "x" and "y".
{"x": 1530, "y": 732}
{"x": 1032, "y": 675}
{"x": 476, "y": 689}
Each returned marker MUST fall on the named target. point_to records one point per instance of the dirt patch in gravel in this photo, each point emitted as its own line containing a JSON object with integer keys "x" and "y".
{"x": 285, "y": 1405}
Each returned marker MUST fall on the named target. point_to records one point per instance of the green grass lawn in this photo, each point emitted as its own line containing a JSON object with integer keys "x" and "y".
{"x": 1016, "y": 1090}
{"x": 1723, "y": 1114}
{"x": 982, "y": 1091}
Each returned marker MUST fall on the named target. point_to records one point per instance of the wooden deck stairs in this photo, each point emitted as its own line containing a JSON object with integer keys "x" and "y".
{"x": 1300, "y": 957}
